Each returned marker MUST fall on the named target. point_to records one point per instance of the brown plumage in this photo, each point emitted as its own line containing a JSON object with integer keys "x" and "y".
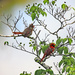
{"x": 27, "y": 32}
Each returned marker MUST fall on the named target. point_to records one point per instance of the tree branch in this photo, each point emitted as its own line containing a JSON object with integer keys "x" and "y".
{"x": 42, "y": 63}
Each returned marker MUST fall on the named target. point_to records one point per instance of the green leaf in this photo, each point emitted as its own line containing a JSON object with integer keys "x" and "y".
{"x": 32, "y": 41}
{"x": 74, "y": 55}
{"x": 30, "y": 45}
{"x": 6, "y": 43}
{"x": 72, "y": 60}
{"x": 23, "y": 44}
{"x": 64, "y": 40}
{"x": 64, "y": 6}
{"x": 42, "y": 13}
{"x": 64, "y": 57}
{"x": 21, "y": 74}
{"x": 68, "y": 69}
{"x": 63, "y": 70}
{"x": 33, "y": 15}
{"x": 70, "y": 40}
{"x": 29, "y": 42}
{"x": 58, "y": 41}
{"x": 39, "y": 4}
{"x": 39, "y": 51}
{"x": 50, "y": 71}
{"x": 60, "y": 50}
{"x": 46, "y": 1}
{"x": 20, "y": 42}
{"x": 65, "y": 50}
{"x": 44, "y": 48}
{"x": 14, "y": 37}
{"x": 60, "y": 63}
{"x": 45, "y": 13}
{"x": 39, "y": 72}
{"x": 34, "y": 47}
{"x": 73, "y": 8}
{"x": 25, "y": 73}
{"x": 32, "y": 9}
{"x": 53, "y": 2}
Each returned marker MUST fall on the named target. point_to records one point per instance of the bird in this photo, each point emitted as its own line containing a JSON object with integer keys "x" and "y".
{"x": 27, "y": 32}
{"x": 49, "y": 50}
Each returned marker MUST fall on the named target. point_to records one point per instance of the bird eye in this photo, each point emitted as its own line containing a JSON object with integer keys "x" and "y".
{"x": 53, "y": 45}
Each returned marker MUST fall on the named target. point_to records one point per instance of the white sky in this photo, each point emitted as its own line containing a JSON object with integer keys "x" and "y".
{"x": 14, "y": 62}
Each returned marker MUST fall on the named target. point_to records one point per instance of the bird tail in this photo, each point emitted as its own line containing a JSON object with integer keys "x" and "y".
{"x": 18, "y": 32}
{"x": 43, "y": 58}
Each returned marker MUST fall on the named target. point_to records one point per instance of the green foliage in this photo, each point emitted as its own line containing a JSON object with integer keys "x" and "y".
{"x": 14, "y": 37}
{"x": 21, "y": 44}
{"x": 63, "y": 70}
{"x": 68, "y": 63}
{"x": 68, "y": 69}
{"x": 34, "y": 47}
{"x": 44, "y": 48}
{"x": 64, "y": 6}
{"x": 64, "y": 40}
{"x": 32, "y": 44}
{"x": 39, "y": 51}
{"x": 61, "y": 49}
{"x": 58, "y": 41}
{"x": 60, "y": 45}
{"x": 53, "y": 2}
{"x": 74, "y": 55}
{"x": 40, "y": 72}
{"x": 25, "y": 73}
{"x": 70, "y": 40}
{"x": 73, "y": 8}
{"x": 71, "y": 71}
{"x": 35, "y": 10}
{"x": 46, "y": 1}
{"x": 42, "y": 43}
{"x": 50, "y": 71}
{"x": 33, "y": 15}
{"x": 6, "y": 43}
{"x": 43, "y": 72}
{"x": 60, "y": 63}
{"x": 65, "y": 50}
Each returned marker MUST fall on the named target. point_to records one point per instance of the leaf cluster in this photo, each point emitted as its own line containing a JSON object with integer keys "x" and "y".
{"x": 43, "y": 47}
{"x": 25, "y": 73}
{"x": 32, "y": 44}
{"x": 68, "y": 63}
{"x": 35, "y": 10}
{"x": 61, "y": 45}
{"x": 43, "y": 72}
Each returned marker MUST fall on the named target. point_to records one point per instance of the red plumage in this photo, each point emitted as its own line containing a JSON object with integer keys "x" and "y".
{"x": 48, "y": 51}
{"x": 18, "y": 32}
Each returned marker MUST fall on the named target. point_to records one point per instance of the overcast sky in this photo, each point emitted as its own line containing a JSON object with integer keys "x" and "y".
{"x": 14, "y": 62}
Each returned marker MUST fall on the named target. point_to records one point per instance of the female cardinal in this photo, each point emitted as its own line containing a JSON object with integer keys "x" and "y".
{"x": 48, "y": 51}
{"x": 27, "y": 32}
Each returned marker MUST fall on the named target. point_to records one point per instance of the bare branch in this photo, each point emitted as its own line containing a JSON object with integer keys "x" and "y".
{"x": 42, "y": 63}
{"x": 57, "y": 68}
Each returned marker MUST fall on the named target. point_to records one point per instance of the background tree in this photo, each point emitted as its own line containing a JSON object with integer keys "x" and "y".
{"x": 64, "y": 46}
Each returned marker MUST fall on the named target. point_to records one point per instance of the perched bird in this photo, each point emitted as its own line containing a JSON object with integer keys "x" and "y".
{"x": 27, "y": 32}
{"x": 50, "y": 49}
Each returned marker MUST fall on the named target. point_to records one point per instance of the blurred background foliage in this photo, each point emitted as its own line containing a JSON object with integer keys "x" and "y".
{"x": 11, "y": 7}
{"x": 9, "y": 4}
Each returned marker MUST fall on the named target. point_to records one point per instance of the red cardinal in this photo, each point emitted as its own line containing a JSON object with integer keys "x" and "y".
{"x": 27, "y": 32}
{"x": 48, "y": 51}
